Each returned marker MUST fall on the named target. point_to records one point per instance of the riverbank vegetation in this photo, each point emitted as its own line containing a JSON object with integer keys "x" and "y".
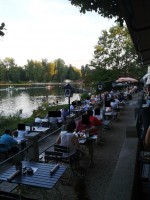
{"x": 11, "y": 121}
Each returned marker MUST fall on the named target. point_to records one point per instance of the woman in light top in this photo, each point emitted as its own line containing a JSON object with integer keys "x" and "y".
{"x": 68, "y": 138}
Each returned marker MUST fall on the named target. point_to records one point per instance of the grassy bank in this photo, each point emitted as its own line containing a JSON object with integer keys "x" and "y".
{"x": 11, "y": 122}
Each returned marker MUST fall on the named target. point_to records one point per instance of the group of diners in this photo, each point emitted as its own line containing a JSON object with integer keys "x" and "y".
{"x": 86, "y": 127}
{"x": 92, "y": 105}
{"x": 89, "y": 124}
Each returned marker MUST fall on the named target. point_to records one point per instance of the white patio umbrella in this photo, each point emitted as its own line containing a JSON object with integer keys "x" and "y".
{"x": 127, "y": 79}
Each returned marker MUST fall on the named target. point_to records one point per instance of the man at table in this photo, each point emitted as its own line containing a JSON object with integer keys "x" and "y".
{"x": 10, "y": 143}
{"x": 93, "y": 129}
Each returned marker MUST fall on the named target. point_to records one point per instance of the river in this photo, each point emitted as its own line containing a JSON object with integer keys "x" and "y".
{"x": 25, "y": 100}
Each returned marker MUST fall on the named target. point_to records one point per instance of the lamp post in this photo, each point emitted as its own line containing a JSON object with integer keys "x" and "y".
{"x": 113, "y": 84}
{"x": 100, "y": 88}
{"x": 68, "y": 93}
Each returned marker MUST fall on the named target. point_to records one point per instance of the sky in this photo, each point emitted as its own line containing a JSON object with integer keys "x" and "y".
{"x": 49, "y": 29}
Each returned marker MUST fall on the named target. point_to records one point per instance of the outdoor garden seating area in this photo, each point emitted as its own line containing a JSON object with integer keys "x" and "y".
{"x": 40, "y": 146}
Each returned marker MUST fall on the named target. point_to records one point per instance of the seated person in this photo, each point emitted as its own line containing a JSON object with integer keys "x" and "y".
{"x": 10, "y": 143}
{"x": 20, "y": 134}
{"x": 86, "y": 107}
{"x": 87, "y": 100}
{"x": 54, "y": 122}
{"x": 72, "y": 107}
{"x": 93, "y": 129}
{"x": 113, "y": 105}
{"x": 64, "y": 113}
{"x": 60, "y": 119}
{"x": 97, "y": 112}
{"x": 21, "y": 131}
{"x": 67, "y": 138}
{"x": 38, "y": 120}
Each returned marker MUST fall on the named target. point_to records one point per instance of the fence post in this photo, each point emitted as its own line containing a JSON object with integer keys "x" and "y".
{"x": 33, "y": 152}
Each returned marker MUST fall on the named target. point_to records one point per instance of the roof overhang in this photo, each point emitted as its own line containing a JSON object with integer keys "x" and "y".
{"x": 137, "y": 16}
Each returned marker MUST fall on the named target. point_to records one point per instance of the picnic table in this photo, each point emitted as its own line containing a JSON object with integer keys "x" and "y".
{"x": 40, "y": 176}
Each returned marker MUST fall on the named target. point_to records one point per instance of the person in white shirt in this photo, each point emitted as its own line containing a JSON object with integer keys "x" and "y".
{"x": 68, "y": 139}
{"x": 72, "y": 107}
{"x": 38, "y": 119}
{"x": 86, "y": 107}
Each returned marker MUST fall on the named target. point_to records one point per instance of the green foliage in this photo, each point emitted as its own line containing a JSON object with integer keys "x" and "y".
{"x": 84, "y": 95}
{"x": 115, "y": 55}
{"x": 106, "y": 8}
{"x": 2, "y": 28}
{"x": 11, "y": 122}
{"x": 37, "y": 71}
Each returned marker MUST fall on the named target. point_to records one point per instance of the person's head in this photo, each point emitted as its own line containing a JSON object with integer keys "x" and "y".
{"x": 15, "y": 133}
{"x": 70, "y": 126}
{"x": 7, "y": 131}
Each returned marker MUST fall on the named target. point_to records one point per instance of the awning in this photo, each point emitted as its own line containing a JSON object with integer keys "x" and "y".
{"x": 137, "y": 17}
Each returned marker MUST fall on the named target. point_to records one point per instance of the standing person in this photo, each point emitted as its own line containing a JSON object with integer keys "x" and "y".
{"x": 10, "y": 143}
{"x": 67, "y": 138}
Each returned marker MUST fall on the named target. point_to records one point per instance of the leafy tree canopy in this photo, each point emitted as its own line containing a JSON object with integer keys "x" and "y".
{"x": 114, "y": 56}
{"x": 2, "y": 28}
{"x": 106, "y": 8}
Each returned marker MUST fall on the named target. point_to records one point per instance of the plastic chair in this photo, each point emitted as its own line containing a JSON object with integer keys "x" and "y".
{"x": 57, "y": 157}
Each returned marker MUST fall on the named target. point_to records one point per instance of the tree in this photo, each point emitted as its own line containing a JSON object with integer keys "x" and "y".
{"x": 106, "y": 8}
{"x": 2, "y": 28}
{"x": 115, "y": 51}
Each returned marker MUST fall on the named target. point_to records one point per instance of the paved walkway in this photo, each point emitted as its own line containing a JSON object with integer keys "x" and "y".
{"x": 107, "y": 153}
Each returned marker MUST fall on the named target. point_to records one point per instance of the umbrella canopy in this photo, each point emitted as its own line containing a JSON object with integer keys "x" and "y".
{"x": 127, "y": 79}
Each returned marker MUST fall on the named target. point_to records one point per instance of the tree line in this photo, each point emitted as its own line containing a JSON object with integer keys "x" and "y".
{"x": 37, "y": 71}
{"x": 114, "y": 56}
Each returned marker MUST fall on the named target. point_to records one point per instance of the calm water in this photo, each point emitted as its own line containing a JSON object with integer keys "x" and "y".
{"x": 29, "y": 99}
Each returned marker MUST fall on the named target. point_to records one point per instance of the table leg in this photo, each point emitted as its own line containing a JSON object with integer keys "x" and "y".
{"x": 91, "y": 152}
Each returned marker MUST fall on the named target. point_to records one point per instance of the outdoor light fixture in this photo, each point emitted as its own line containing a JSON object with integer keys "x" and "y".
{"x": 113, "y": 84}
{"x": 100, "y": 86}
{"x": 68, "y": 90}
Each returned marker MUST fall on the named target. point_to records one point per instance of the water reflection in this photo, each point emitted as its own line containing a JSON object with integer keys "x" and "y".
{"x": 28, "y": 99}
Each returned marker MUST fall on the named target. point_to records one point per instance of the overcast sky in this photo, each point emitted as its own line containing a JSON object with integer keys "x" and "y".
{"x": 51, "y": 29}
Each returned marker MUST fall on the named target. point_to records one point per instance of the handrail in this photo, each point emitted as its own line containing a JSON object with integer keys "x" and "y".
{"x": 40, "y": 140}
